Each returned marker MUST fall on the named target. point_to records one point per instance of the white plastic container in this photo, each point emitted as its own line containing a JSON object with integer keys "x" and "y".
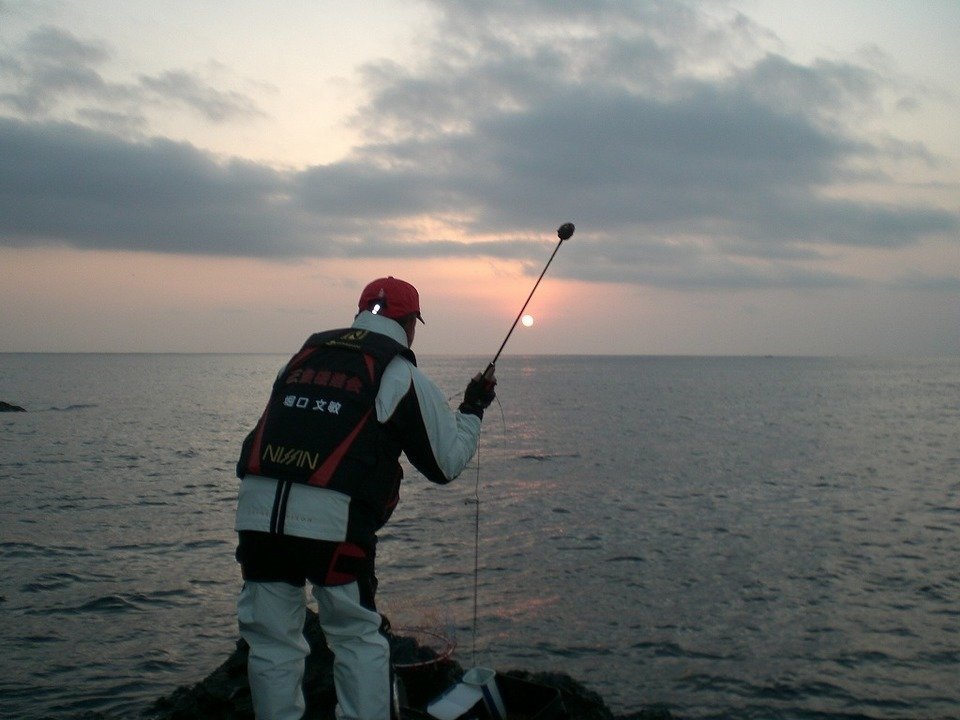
{"x": 485, "y": 679}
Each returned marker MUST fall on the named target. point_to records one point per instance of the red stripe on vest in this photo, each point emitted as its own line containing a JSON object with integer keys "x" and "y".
{"x": 323, "y": 474}
{"x": 299, "y": 358}
{"x": 370, "y": 365}
{"x": 337, "y": 577}
{"x": 253, "y": 466}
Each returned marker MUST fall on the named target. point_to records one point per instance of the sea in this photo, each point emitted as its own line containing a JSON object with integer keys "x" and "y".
{"x": 724, "y": 537}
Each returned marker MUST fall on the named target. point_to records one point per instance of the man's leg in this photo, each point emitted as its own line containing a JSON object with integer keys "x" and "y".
{"x": 361, "y": 666}
{"x": 271, "y": 616}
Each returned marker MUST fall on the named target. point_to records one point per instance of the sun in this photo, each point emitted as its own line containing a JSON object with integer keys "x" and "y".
{"x": 527, "y": 320}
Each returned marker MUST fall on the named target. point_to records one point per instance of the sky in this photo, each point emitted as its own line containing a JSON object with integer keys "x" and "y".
{"x": 747, "y": 177}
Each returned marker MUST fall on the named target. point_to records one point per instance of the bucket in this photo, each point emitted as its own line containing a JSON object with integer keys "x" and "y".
{"x": 421, "y": 660}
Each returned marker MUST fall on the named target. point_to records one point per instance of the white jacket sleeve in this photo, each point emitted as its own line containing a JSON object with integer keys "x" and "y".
{"x": 437, "y": 440}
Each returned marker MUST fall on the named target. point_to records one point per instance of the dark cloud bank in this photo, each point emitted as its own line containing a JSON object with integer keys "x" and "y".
{"x": 517, "y": 123}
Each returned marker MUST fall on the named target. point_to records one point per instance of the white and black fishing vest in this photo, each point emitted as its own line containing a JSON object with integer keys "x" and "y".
{"x": 320, "y": 465}
{"x": 320, "y": 427}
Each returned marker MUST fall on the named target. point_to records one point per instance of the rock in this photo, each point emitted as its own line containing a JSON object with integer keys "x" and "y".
{"x": 225, "y": 693}
{"x": 7, "y": 407}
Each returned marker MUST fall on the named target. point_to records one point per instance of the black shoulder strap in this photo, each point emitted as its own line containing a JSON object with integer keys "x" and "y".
{"x": 382, "y": 347}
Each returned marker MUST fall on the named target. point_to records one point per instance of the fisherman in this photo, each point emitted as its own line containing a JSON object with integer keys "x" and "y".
{"x": 320, "y": 475}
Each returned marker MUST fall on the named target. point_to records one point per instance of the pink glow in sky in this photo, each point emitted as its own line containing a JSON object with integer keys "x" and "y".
{"x": 745, "y": 178}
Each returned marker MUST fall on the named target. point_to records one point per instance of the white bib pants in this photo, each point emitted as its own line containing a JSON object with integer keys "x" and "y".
{"x": 271, "y": 617}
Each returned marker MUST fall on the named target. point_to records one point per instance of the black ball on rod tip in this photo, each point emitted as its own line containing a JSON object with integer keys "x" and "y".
{"x": 565, "y": 231}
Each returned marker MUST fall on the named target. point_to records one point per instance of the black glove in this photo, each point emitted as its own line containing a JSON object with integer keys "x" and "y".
{"x": 478, "y": 395}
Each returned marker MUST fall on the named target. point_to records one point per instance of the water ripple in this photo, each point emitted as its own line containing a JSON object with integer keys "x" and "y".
{"x": 740, "y": 538}
{"x": 28, "y": 549}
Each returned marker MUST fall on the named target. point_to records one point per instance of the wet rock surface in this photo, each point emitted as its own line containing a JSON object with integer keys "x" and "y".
{"x": 225, "y": 693}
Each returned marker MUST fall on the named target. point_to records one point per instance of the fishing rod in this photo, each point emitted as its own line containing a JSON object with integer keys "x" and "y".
{"x": 564, "y": 232}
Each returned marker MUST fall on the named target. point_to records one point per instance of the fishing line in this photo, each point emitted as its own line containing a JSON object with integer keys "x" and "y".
{"x": 476, "y": 537}
{"x": 476, "y": 557}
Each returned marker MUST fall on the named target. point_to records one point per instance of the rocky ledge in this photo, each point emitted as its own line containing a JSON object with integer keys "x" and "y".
{"x": 225, "y": 694}
{"x": 7, "y": 407}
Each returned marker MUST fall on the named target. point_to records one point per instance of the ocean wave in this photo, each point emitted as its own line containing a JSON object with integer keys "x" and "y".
{"x": 70, "y": 408}
{"x": 60, "y": 580}
{"x": 626, "y": 559}
{"x": 13, "y": 549}
{"x": 206, "y": 544}
{"x": 768, "y": 691}
{"x": 674, "y": 650}
{"x": 38, "y": 639}
{"x": 109, "y": 604}
{"x": 542, "y": 457}
{"x": 130, "y": 602}
{"x": 36, "y": 587}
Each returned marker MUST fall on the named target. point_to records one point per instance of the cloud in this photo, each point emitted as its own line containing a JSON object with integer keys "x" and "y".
{"x": 52, "y": 63}
{"x": 54, "y": 74}
{"x": 213, "y": 104}
{"x": 681, "y": 167}
{"x": 62, "y": 183}
{"x": 68, "y": 184}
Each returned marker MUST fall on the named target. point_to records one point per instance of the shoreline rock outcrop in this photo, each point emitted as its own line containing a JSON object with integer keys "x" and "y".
{"x": 225, "y": 693}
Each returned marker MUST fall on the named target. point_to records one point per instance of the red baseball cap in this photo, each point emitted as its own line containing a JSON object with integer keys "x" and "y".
{"x": 396, "y": 298}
